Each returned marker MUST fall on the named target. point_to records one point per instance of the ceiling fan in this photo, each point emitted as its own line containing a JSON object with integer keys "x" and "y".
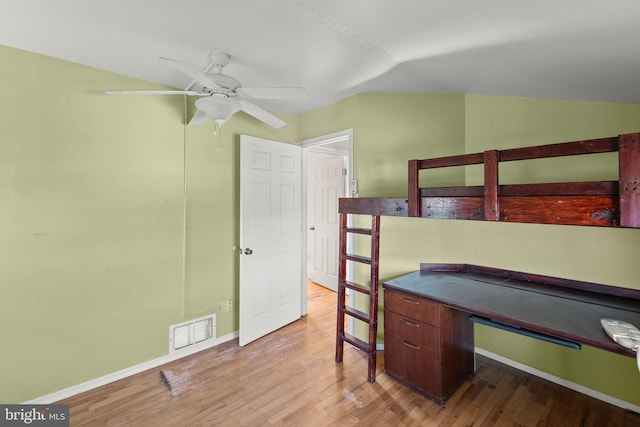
{"x": 221, "y": 95}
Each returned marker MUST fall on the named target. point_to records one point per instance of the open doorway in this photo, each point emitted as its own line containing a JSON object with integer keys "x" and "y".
{"x": 327, "y": 174}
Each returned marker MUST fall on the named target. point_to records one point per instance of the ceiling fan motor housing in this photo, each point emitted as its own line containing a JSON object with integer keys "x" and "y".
{"x": 224, "y": 81}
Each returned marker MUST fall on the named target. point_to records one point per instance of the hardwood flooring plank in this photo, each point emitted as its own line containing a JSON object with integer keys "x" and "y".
{"x": 290, "y": 378}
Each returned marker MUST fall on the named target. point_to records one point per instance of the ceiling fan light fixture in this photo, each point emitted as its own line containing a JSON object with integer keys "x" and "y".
{"x": 219, "y": 92}
{"x": 218, "y": 109}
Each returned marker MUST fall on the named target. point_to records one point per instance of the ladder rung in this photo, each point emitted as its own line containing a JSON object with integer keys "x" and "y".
{"x": 357, "y": 287}
{"x": 360, "y": 315}
{"x": 358, "y": 258}
{"x": 356, "y": 342}
{"x": 356, "y": 230}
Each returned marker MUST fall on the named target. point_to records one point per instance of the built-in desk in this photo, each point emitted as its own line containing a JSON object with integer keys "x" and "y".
{"x": 557, "y": 310}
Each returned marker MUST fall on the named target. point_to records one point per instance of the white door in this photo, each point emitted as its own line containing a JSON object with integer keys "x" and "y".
{"x": 325, "y": 182}
{"x": 270, "y": 236}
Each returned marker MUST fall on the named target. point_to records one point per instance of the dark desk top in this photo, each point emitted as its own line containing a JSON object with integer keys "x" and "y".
{"x": 568, "y": 314}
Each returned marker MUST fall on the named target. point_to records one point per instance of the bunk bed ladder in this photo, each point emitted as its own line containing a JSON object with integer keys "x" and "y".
{"x": 370, "y": 318}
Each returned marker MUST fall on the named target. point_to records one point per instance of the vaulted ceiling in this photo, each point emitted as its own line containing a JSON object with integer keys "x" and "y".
{"x": 567, "y": 49}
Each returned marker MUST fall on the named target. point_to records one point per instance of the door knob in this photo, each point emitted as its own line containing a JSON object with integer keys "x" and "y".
{"x": 248, "y": 251}
{"x": 312, "y": 228}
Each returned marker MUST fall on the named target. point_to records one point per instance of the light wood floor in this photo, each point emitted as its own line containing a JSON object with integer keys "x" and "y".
{"x": 290, "y": 378}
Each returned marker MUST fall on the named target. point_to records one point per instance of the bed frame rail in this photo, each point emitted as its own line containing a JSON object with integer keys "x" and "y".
{"x": 598, "y": 203}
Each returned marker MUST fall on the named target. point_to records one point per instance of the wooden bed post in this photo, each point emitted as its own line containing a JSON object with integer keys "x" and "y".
{"x": 491, "y": 201}
{"x": 414, "y": 202}
{"x": 629, "y": 167}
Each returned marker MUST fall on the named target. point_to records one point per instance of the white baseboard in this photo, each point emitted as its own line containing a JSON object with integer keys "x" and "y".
{"x": 560, "y": 381}
{"x": 115, "y": 376}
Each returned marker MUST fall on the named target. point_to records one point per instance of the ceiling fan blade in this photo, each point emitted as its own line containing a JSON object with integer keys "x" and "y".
{"x": 154, "y": 92}
{"x": 191, "y": 72}
{"x": 199, "y": 118}
{"x": 260, "y": 114}
{"x": 273, "y": 92}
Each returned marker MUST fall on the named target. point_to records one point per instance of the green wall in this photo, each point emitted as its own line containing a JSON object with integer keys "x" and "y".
{"x": 99, "y": 254}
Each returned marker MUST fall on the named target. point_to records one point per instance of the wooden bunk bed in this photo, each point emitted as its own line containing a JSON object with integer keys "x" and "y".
{"x": 594, "y": 203}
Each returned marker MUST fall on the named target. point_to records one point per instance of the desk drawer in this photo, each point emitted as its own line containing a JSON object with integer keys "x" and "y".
{"x": 415, "y": 366}
{"x": 414, "y": 331}
{"x": 413, "y": 307}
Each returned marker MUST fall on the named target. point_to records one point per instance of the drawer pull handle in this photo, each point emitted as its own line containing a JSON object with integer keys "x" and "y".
{"x": 406, "y": 322}
{"x": 410, "y": 301}
{"x": 408, "y": 344}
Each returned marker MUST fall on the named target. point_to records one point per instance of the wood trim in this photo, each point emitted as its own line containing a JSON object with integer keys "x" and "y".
{"x": 591, "y": 146}
{"x": 374, "y": 206}
{"x": 458, "y": 160}
{"x": 596, "y": 203}
{"x": 588, "y": 210}
{"x": 594, "y": 188}
{"x": 629, "y": 159}
{"x": 491, "y": 189}
{"x": 342, "y": 274}
{"x": 537, "y": 278}
{"x": 414, "y": 189}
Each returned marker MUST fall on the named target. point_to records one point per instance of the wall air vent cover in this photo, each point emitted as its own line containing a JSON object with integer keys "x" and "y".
{"x": 199, "y": 332}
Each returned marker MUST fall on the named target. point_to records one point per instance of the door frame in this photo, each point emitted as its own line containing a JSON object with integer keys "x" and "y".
{"x": 337, "y": 142}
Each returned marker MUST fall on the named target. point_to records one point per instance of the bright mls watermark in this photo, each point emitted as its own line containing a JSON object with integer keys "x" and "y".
{"x": 34, "y": 415}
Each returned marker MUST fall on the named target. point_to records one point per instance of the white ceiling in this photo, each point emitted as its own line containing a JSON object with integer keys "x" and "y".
{"x": 565, "y": 49}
